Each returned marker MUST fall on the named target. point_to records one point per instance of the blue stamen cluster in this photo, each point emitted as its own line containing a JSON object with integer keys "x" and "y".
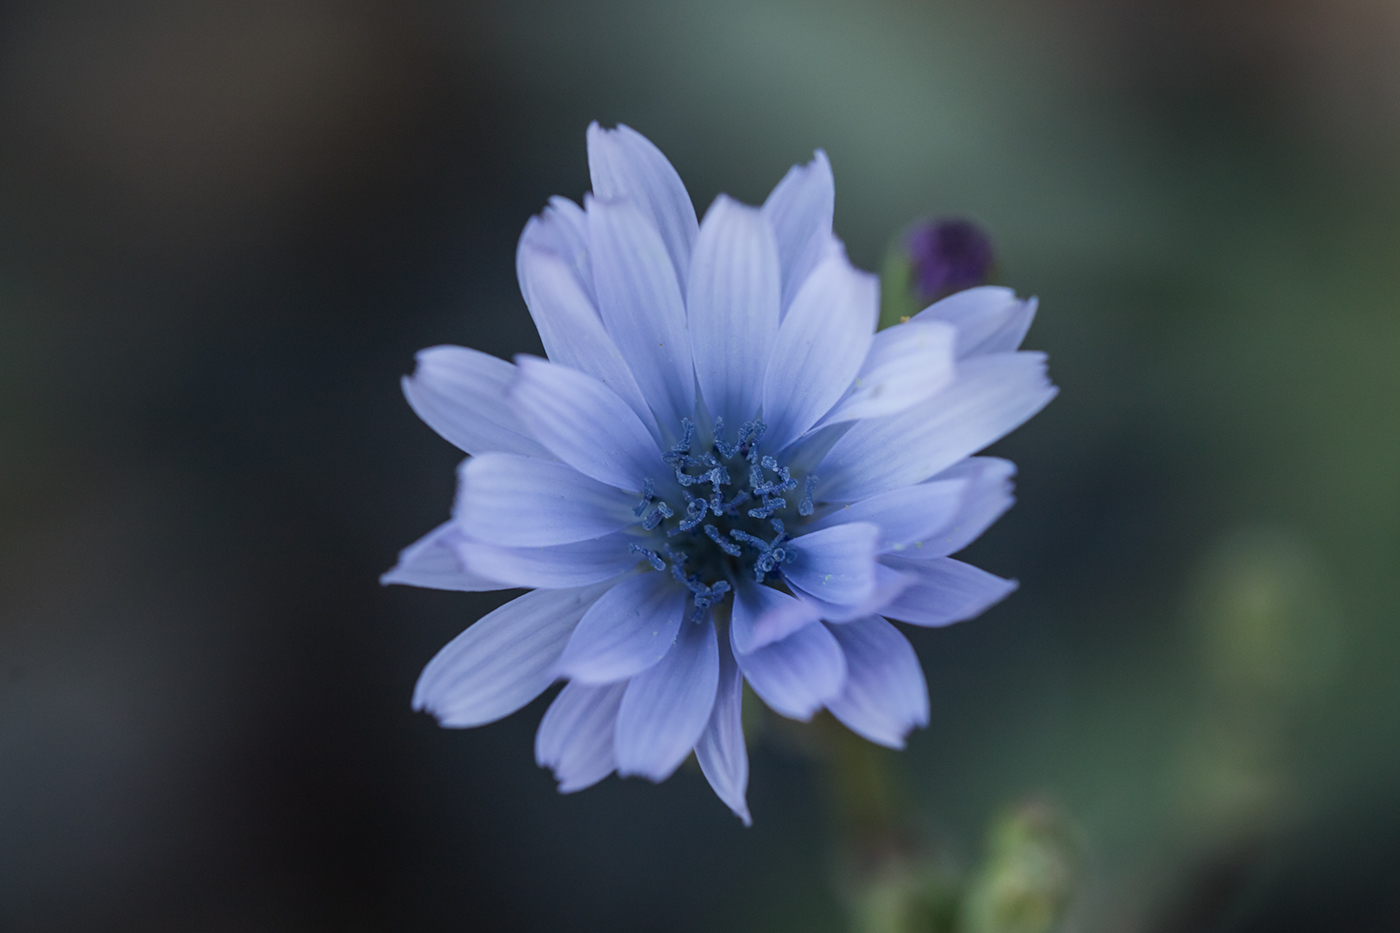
{"x": 734, "y": 539}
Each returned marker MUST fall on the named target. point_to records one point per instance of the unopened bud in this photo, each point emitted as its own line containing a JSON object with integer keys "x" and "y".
{"x": 932, "y": 259}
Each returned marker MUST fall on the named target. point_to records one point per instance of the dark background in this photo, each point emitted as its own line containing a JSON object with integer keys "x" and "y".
{"x": 226, "y": 227}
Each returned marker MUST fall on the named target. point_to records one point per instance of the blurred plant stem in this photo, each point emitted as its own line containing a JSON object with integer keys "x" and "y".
{"x": 866, "y": 784}
{"x": 893, "y": 880}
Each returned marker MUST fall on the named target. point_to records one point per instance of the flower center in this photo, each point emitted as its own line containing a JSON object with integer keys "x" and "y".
{"x": 732, "y": 518}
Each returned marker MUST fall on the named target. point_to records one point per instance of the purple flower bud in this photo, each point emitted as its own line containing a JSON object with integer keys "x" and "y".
{"x": 948, "y": 256}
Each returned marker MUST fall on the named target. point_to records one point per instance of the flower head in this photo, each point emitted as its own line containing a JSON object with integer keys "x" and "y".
{"x": 721, "y": 473}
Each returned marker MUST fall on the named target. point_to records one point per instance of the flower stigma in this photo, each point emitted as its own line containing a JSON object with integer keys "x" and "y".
{"x": 734, "y": 516}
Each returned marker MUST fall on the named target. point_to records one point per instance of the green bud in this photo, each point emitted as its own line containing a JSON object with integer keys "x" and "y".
{"x": 1028, "y": 877}
{"x": 907, "y": 894}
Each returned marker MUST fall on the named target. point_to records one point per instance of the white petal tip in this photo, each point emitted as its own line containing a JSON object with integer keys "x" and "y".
{"x": 656, "y": 777}
{"x": 448, "y": 721}
{"x": 895, "y": 741}
{"x": 797, "y": 715}
{"x": 573, "y": 787}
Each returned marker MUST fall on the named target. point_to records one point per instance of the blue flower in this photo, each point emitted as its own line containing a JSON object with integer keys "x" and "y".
{"x": 721, "y": 473}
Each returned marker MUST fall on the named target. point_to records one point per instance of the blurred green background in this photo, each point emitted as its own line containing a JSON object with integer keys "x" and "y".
{"x": 226, "y": 227}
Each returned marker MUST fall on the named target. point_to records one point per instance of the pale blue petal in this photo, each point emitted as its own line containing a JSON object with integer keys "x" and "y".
{"x": 889, "y": 583}
{"x": 460, "y": 393}
{"x": 627, "y": 631}
{"x": 723, "y": 757}
{"x": 625, "y": 164}
{"x": 583, "y": 422}
{"x": 527, "y": 502}
{"x": 562, "y": 231}
{"x": 797, "y": 675}
{"x": 820, "y": 347}
{"x": 990, "y": 397}
{"x": 989, "y": 319}
{"x": 667, "y": 707}
{"x": 822, "y": 247}
{"x": 907, "y": 517}
{"x": 639, "y": 298}
{"x": 800, "y": 209}
{"x": 761, "y": 615}
{"x": 504, "y": 660}
{"x": 947, "y": 591}
{"x": 1009, "y": 336}
{"x": 885, "y": 694}
{"x": 575, "y": 739}
{"x": 806, "y": 453}
{"x": 987, "y": 496}
{"x": 836, "y": 564}
{"x": 570, "y": 328}
{"x": 433, "y": 562}
{"x": 733, "y": 308}
{"x": 907, "y": 363}
{"x": 556, "y": 567}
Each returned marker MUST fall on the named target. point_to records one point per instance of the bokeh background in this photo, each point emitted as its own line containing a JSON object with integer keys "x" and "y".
{"x": 225, "y": 227}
